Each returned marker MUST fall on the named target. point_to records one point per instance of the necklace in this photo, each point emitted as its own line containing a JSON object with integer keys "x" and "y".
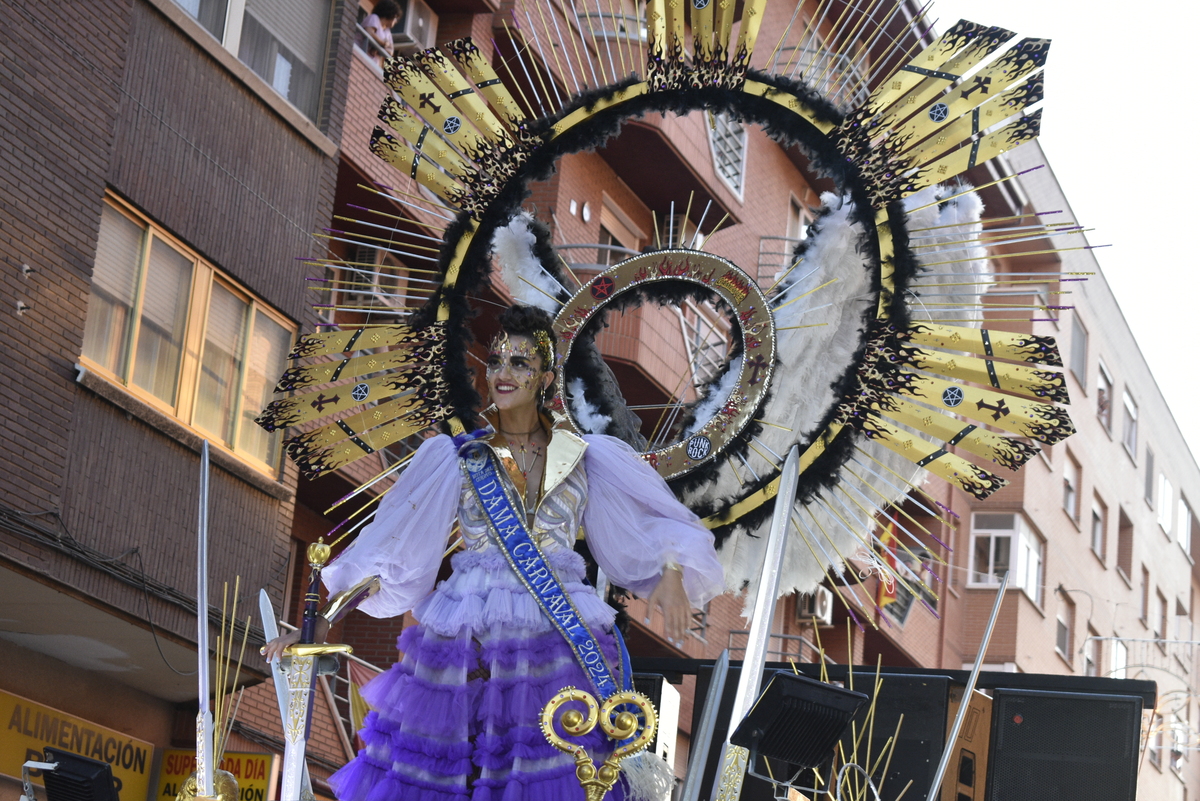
{"x": 520, "y": 433}
{"x": 527, "y": 455}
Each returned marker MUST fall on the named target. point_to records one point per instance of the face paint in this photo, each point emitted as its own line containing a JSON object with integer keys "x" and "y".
{"x": 514, "y": 371}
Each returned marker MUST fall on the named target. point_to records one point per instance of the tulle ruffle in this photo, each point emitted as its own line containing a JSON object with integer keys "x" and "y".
{"x": 434, "y": 735}
{"x": 483, "y": 593}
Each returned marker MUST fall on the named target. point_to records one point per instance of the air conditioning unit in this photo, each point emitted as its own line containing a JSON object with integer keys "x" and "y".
{"x": 388, "y": 280}
{"x": 815, "y": 607}
{"x": 417, "y": 28}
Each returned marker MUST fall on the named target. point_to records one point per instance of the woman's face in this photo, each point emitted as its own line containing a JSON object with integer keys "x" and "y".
{"x": 514, "y": 372}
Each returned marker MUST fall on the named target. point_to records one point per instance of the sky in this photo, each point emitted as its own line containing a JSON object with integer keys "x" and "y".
{"x": 1119, "y": 132}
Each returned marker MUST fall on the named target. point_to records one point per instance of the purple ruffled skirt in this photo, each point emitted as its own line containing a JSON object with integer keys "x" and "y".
{"x": 457, "y": 717}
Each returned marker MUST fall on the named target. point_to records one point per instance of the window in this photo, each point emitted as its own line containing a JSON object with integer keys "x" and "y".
{"x": 1158, "y": 618}
{"x": 1065, "y": 627}
{"x": 182, "y": 337}
{"x": 1071, "y": 487}
{"x": 1183, "y": 526}
{"x": 1166, "y": 504}
{"x": 1125, "y": 545}
{"x": 1129, "y": 434}
{"x": 1179, "y": 740}
{"x": 1099, "y": 526}
{"x": 728, "y": 140}
{"x": 1104, "y": 388}
{"x": 1120, "y": 659}
{"x": 1079, "y": 345}
{"x": 1149, "y": 485}
{"x": 1091, "y": 654}
{"x": 1005, "y": 542}
{"x": 283, "y": 41}
{"x": 1145, "y": 606}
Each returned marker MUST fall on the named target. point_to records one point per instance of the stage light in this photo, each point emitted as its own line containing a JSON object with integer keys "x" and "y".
{"x": 71, "y": 777}
{"x": 797, "y": 720}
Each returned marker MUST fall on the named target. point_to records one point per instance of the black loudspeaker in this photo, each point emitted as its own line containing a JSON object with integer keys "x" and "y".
{"x": 78, "y": 778}
{"x": 1057, "y": 746}
{"x": 923, "y": 701}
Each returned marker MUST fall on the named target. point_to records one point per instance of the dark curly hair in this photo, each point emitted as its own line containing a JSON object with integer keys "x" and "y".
{"x": 386, "y": 9}
{"x": 536, "y": 324}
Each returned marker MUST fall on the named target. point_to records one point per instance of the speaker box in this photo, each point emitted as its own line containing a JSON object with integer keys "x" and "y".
{"x": 1060, "y": 746}
{"x": 923, "y": 700}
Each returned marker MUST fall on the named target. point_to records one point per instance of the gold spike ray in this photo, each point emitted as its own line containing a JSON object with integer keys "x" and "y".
{"x": 426, "y": 380}
{"x": 419, "y": 167}
{"x": 1029, "y": 348}
{"x": 417, "y": 133}
{"x": 675, "y": 50}
{"x": 949, "y": 466}
{"x": 722, "y": 29}
{"x": 480, "y": 71}
{"x": 1027, "y": 381}
{"x": 971, "y": 123}
{"x": 419, "y": 92}
{"x": 464, "y": 96}
{"x": 348, "y": 340}
{"x": 1041, "y": 421}
{"x": 295, "y": 378}
{"x": 1004, "y": 451}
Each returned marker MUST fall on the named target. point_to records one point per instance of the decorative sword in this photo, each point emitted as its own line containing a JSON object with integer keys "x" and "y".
{"x": 204, "y": 721}
{"x": 271, "y": 630}
{"x": 301, "y": 682}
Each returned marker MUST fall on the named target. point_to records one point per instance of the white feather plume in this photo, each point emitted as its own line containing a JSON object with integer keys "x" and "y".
{"x": 587, "y": 415}
{"x": 526, "y": 279}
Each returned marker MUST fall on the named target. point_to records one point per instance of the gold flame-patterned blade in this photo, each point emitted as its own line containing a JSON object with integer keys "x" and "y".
{"x": 349, "y": 340}
{"x": 993, "y": 112}
{"x": 1041, "y": 421}
{"x": 308, "y": 406}
{"x": 988, "y": 83}
{"x": 317, "y": 461}
{"x": 417, "y": 89}
{"x": 329, "y": 372}
{"x": 752, "y": 18}
{"x": 1027, "y": 381}
{"x": 949, "y": 466}
{"x": 702, "y": 31}
{"x": 470, "y": 104}
{"x": 424, "y": 141}
{"x": 417, "y": 166}
{"x": 934, "y": 60}
{"x": 481, "y": 73}
{"x": 967, "y": 156}
{"x": 1028, "y": 348}
{"x": 997, "y": 448}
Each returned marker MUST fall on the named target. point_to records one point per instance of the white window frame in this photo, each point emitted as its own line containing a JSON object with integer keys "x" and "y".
{"x": 1100, "y": 516}
{"x": 1166, "y": 504}
{"x": 1104, "y": 395}
{"x": 1183, "y": 525}
{"x": 1120, "y": 660}
{"x": 715, "y": 123}
{"x": 1072, "y": 479}
{"x": 1129, "y": 424}
{"x": 231, "y": 41}
{"x": 1026, "y": 555}
{"x": 1065, "y": 629}
{"x": 204, "y": 277}
{"x": 1079, "y": 351}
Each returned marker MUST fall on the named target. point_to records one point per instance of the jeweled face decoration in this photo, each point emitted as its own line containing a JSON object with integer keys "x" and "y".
{"x": 515, "y": 373}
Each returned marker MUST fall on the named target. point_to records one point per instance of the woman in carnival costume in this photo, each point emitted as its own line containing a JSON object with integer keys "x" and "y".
{"x": 457, "y": 718}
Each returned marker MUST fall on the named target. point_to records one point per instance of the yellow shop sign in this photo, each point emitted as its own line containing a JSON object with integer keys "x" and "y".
{"x": 252, "y": 771}
{"x": 29, "y": 727}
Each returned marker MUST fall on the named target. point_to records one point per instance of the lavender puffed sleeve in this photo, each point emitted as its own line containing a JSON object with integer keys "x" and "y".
{"x": 635, "y": 525}
{"x": 405, "y": 543}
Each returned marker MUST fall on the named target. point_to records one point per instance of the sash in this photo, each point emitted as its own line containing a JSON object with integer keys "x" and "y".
{"x": 508, "y": 529}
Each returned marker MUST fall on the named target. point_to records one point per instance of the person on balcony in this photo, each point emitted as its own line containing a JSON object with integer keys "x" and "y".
{"x": 457, "y": 718}
{"x": 378, "y": 25}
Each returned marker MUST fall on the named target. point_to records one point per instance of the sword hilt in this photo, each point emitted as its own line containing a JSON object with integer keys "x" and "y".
{"x": 318, "y": 555}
